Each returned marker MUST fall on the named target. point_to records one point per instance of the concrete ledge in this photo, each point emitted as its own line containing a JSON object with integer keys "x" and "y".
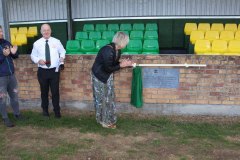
{"x": 154, "y": 109}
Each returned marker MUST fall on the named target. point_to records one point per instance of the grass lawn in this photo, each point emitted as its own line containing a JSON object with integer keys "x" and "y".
{"x": 77, "y": 136}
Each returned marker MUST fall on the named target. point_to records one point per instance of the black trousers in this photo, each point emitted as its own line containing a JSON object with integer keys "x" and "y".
{"x": 49, "y": 78}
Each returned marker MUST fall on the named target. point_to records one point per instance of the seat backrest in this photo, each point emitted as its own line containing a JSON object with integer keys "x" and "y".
{"x": 150, "y": 35}
{"x": 101, "y": 27}
{"x": 73, "y": 46}
{"x": 189, "y": 27}
{"x": 151, "y": 27}
{"x": 203, "y": 27}
{"x": 22, "y": 30}
{"x": 13, "y": 39}
{"x": 217, "y": 27}
{"x": 138, "y": 27}
{"x": 219, "y": 46}
{"x": 100, "y": 43}
{"x": 88, "y": 27}
{"x": 230, "y": 27}
{"x": 125, "y": 27}
{"x": 136, "y": 35}
{"x": 202, "y": 46}
{"x": 113, "y": 27}
{"x": 234, "y": 46}
{"x": 211, "y": 35}
{"x": 107, "y": 35}
{"x": 151, "y": 46}
{"x": 32, "y": 31}
{"x": 87, "y": 46}
{"x": 95, "y": 35}
{"x": 13, "y": 31}
{"x": 227, "y": 35}
{"x": 81, "y": 35}
{"x": 196, "y": 35}
{"x": 21, "y": 39}
{"x": 237, "y": 35}
{"x": 134, "y": 46}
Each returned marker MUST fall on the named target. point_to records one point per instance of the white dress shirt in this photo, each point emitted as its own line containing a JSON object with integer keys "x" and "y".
{"x": 56, "y": 52}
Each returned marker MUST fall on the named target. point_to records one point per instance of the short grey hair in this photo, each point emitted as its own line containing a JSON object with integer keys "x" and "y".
{"x": 121, "y": 39}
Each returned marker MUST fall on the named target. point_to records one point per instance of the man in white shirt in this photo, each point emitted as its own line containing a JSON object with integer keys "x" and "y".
{"x": 49, "y": 54}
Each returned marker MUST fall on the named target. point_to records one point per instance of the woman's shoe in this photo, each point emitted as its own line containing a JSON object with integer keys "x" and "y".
{"x": 112, "y": 126}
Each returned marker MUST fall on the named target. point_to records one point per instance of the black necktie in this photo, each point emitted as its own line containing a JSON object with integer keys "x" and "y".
{"x": 47, "y": 54}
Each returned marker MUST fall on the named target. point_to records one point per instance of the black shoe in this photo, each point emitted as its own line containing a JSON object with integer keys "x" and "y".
{"x": 45, "y": 114}
{"x": 19, "y": 117}
{"x": 8, "y": 123}
{"x": 58, "y": 115}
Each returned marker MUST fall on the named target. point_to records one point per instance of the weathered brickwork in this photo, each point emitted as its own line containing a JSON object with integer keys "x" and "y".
{"x": 218, "y": 83}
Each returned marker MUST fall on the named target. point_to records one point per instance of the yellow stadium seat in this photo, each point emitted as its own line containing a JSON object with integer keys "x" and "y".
{"x": 202, "y": 46}
{"x": 22, "y": 30}
{"x": 196, "y": 35}
{"x": 231, "y": 27}
{"x": 203, "y": 27}
{"x": 21, "y": 39}
{"x": 238, "y": 27}
{"x": 237, "y": 35}
{"x": 234, "y": 47}
{"x": 32, "y": 32}
{"x": 227, "y": 35}
{"x": 13, "y": 39}
{"x": 189, "y": 27}
{"x": 211, "y": 35}
{"x": 13, "y": 31}
{"x": 219, "y": 47}
{"x": 217, "y": 27}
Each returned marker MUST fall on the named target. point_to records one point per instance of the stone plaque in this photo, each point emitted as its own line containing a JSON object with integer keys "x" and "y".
{"x": 160, "y": 78}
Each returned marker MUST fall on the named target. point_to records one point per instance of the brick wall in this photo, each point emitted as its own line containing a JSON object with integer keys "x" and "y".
{"x": 218, "y": 83}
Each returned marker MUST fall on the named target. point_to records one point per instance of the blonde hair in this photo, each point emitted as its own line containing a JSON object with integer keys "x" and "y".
{"x": 121, "y": 39}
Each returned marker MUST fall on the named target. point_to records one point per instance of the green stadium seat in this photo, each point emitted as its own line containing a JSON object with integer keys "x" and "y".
{"x": 113, "y": 27}
{"x": 151, "y": 35}
{"x": 134, "y": 47}
{"x": 95, "y": 35}
{"x": 126, "y": 27}
{"x": 151, "y": 27}
{"x": 138, "y": 27}
{"x": 88, "y": 47}
{"x": 150, "y": 47}
{"x": 101, "y": 27}
{"x": 73, "y": 47}
{"x": 81, "y": 36}
{"x": 107, "y": 35}
{"x": 126, "y": 32}
{"x": 100, "y": 43}
{"x": 88, "y": 27}
{"x": 136, "y": 35}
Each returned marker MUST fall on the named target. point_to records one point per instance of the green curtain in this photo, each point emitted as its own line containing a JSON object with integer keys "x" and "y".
{"x": 136, "y": 93}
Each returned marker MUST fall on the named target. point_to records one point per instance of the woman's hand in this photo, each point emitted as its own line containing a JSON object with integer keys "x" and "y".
{"x": 14, "y": 49}
{"x": 126, "y": 63}
{"x": 6, "y": 51}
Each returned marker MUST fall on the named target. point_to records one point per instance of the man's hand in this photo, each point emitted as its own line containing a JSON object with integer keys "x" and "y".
{"x": 14, "y": 49}
{"x": 6, "y": 51}
{"x": 41, "y": 62}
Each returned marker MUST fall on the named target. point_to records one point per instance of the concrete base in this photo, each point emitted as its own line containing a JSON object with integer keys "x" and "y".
{"x": 154, "y": 109}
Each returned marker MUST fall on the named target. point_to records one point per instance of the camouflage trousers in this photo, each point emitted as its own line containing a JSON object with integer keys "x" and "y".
{"x": 103, "y": 95}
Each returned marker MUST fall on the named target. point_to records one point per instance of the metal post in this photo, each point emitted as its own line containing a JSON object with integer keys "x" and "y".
{"x": 4, "y": 20}
{"x": 69, "y": 18}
